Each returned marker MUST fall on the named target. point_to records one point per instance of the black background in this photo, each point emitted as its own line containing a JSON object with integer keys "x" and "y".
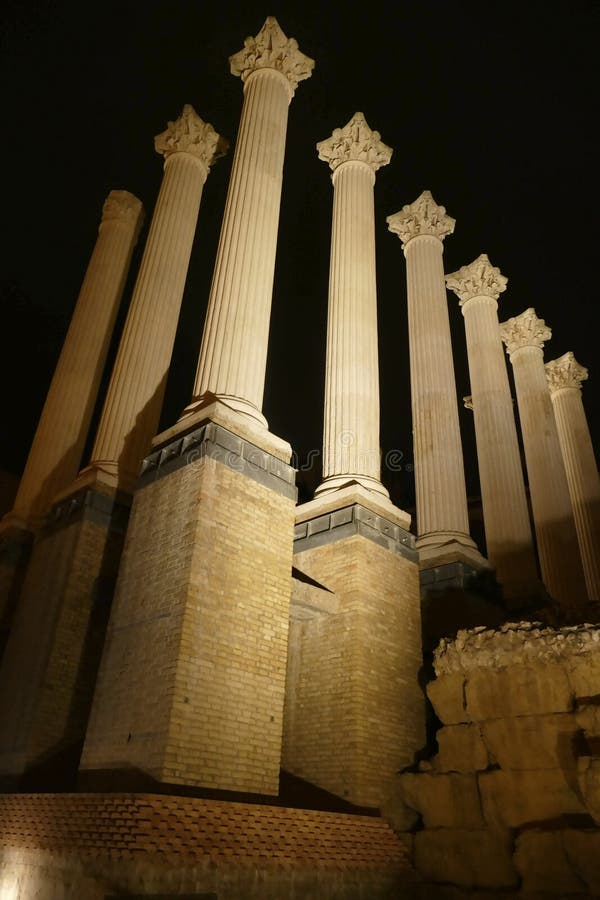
{"x": 491, "y": 106}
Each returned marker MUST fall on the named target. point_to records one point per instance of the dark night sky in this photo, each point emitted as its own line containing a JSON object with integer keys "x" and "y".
{"x": 491, "y": 106}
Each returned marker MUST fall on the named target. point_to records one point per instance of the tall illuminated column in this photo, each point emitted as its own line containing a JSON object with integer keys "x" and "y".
{"x": 351, "y": 427}
{"x": 506, "y": 515}
{"x": 134, "y": 398}
{"x": 55, "y": 454}
{"x": 558, "y": 550}
{"x": 564, "y": 377}
{"x": 233, "y": 353}
{"x": 441, "y": 495}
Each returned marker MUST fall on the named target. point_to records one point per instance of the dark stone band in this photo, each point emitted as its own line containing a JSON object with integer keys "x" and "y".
{"x": 351, "y": 520}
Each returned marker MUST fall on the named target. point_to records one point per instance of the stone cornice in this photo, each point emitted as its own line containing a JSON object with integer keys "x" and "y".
{"x": 565, "y": 372}
{"x": 271, "y": 49}
{"x": 524, "y": 330}
{"x": 349, "y": 521}
{"x": 423, "y": 217}
{"x": 121, "y": 206}
{"x": 355, "y": 142}
{"x": 479, "y": 279}
{"x": 190, "y": 134}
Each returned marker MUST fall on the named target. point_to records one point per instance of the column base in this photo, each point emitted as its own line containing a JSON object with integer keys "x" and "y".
{"x": 238, "y": 405}
{"x": 191, "y": 687}
{"x": 52, "y": 655}
{"x": 355, "y": 647}
{"x": 442, "y": 547}
{"x": 339, "y": 482}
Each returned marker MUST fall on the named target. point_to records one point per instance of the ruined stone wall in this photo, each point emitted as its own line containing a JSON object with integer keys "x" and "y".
{"x": 512, "y": 798}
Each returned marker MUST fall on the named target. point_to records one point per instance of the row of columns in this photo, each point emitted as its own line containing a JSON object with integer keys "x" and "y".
{"x": 234, "y": 346}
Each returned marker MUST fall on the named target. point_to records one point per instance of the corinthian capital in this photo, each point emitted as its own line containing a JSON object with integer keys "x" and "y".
{"x": 525, "y": 330}
{"x": 355, "y": 141}
{"x": 423, "y": 216}
{"x": 121, "y": 206}
{"x": 271, "y": 49}
{"x": 189, "y": 134}
{"x": 565, "y": 372}
{"x": 479, "y": 279}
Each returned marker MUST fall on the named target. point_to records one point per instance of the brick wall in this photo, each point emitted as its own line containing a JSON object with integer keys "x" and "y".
{"x": 355, "y": 710}
{"x": 192, "y": 681}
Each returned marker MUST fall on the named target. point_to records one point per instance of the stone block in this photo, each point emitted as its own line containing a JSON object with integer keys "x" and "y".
{"x": 589, "y": 784}
{"x": 584, "y": 675}
{"x": 461, "y": 749}
{"x": 469, "y": 858}
{"x": 520, "y": 690}
{"x": 516, "y": 798}
{"x": 587, "y": 717}
{"x": 582, "y": 847}
{"x": 444, "y": 801}
{"x": 544, "y": 865}
{"x": 447, "y": 697}
{"x": 532, "y": 742}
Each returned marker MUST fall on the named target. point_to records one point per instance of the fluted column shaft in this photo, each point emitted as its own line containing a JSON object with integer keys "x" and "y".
{"x": 133, "y": 403}
{"x": 441, "y": 495}
{"x": 506, "y": 515}
{"x": 582, "y": 479}
{"x": 55, "y": 454}
{"x": 233, "y": 353}
{"x": 558, "y": 550}
{"x": 351, "y": 426}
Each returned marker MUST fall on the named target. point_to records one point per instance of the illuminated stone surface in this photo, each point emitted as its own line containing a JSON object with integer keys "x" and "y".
{"x": 564, "y": 379}
{"x": 508, "y": 535}
{"x": 557, "y": 544}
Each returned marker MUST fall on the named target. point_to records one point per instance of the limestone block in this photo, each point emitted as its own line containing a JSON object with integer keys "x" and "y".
{"x": 518, "y": 690}
{"x": 584, "y": 675}
{"x": 582, "y": 847}
{"x": 447, "y": 696}
{"x": 532, "y": 742}
{"x": 517, "y": 798}
{"x": 469, "y": 858}
{"x": 589, "y": 784}
{"x": 587, "y": 717}
{"x": 444, "y": 801}
{"x": 461, "y": 749}
{"x": 543, "y": 863}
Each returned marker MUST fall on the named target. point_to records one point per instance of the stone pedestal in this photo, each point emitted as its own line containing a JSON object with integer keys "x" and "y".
{"x": 564, "y": 380}
{"x": 354, "y": 710}
{"x": 53, "y": 652}
{"x": 191, "y": 686}
{"x": 508, "y": 535}
{"x": 134, "y": 398}
{"x": 351, "y": 452}
{"x": 55, "y": 454}
{"x": 558, "y": 549}
{"x": 233, "y": 354}
{"x": 442, "y": 518}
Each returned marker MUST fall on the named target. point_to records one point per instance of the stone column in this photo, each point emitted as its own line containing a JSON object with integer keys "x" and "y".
{"x": 233, "y": 354}
{"x": 564, "y": 379}
{"x": 55, "y": 454}
{"x": 351, "y": 451}
{"x": 134, "y": 398}
{"x": 441, "y": 496}
{"x": 558, "y": 550}
{"x": 506, "y": 515}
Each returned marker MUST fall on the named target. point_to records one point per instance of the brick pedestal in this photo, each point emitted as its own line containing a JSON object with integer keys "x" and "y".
{"x": 51, "y": 659}
{"x": 191, "y": 685}
{"x": 15, "y": 549}
{"x": 354, "y": 709}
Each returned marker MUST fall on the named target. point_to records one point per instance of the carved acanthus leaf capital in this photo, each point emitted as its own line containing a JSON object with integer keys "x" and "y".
{"x": 355, "y": 141}
{"x": 525, "y": 330}
{"x": 565, "y": 372}
{"x": 423, "y": 216}
{"x": 190, "y": 134}
{"x": 123, "y": 207}
{"x": 271, "y": 49}
{"x": 479, "y": 279}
